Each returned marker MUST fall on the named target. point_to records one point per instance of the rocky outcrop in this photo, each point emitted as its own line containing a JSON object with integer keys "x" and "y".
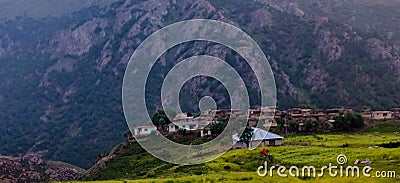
{"x": 317, "y": 78}
{"x": 2, "y": 50}
{"x": 261, "y": 18}
{"x": 378, "y": 49}
{"x": 396, "y": 47}
{"x": 330, "y": 45}
{"x": 294, "y": 9}
{"x": 31, "y": 168}
{"x": 285, "y": 6}
{"x": 79, "y": 40}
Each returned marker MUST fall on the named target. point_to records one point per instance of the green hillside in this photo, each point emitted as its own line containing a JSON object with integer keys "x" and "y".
{"x": 129, "y": 162}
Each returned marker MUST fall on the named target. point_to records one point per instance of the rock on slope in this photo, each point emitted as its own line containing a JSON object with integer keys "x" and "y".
{"x": 32, "y": 168}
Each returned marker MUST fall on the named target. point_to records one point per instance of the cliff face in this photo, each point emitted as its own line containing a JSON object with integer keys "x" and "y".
{"x": 61, "y": 76}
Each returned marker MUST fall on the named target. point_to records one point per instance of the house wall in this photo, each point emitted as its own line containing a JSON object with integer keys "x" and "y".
{"x": 172, "y": 128}
{"x": 144, "y": 131}
{"x": 366, "y": 115}
{"x": 240, "y": 145}
{"x": 255, "y": 143}
{"x": 381, "y": 115}
{"x": 279, "y": 142}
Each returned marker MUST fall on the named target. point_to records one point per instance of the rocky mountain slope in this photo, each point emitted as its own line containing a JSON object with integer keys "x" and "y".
{"x": 32, "y": 168}
{"x": 61, "y": 76}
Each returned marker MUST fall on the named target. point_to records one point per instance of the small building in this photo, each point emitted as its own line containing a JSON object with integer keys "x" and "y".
{"x": 260, "y": 138}
{"x": 183, "y": 117}
{"x": 338, "y": 112}
{"x": 299, "y": 114}
{"x": 396, "y": 113}
{"x": 191, "y": 125}
{"x": 366, "y": 114}
{"x": 331, "y": 123}
{"x": 144, "y": 130}
{"x": 175, "y": 126}
{"x": 381, "y": 115}
{"x": 319, "y": 115}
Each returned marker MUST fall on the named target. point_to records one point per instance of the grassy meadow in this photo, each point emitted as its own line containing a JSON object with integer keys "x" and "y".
{"x": 241, "y": 165}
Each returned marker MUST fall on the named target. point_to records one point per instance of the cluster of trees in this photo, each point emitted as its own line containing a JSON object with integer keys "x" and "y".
{"x": 219, "y": 127}
{"x": 349, "y": 121}
{"x": 161, "y": 120}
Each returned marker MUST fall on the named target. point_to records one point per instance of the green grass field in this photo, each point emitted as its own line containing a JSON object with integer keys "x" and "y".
{"x": 246, "y": 177}
{"x": 241, "y": 165}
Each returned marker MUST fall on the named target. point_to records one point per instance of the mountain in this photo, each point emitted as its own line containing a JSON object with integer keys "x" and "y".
{"x": 61, "y": 74}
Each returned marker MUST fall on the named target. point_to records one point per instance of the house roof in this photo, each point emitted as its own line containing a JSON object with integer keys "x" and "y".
{"x": 145, "y": 127}
{"x": 260, "y": 134}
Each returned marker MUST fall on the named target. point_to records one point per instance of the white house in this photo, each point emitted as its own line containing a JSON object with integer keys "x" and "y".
{"x": 260, "y": 138}
{"x": 144, "y": 130}
{"x": 175, "y": 126}
{"x": 189, "y": 125}
{"x": 381, "y": 115}
{"x": 183, "y": 117}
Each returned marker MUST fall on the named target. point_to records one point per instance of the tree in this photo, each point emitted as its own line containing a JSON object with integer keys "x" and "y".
{"x": 281, "y": 123}
{"x": 310, "y": 125}
{"x": 247, "y": 135}
{"x": 349, "y": 121}
{"x": 341, "y": 124}
{"x": 160, "y": 119}
{"x": 219, "y": 127}
{"x": 356, "y": 120}
{"x": 182, "y": 131}
{"x": 294, "y": 126}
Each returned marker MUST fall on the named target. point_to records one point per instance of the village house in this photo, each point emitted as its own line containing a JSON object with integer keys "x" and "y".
{"x": 366, "y": 113}
{"x": 189, "y": 124}
{"x": 254, "y": 114}
{"x": 330, "y": 124}
{"x": 260, "y": 138}
{"x": 319, "y": 115}
{"x": 215, "y": 115}
{"x": 396, "y": 113}
{"x": 299, "y": 114}
{"x": 381, "y": 115}
{"x": 144, "y": 130}
{"x": 272, "y": 124}
{"x": 183, "y": 117}
{"x": 234, "y": 113}
{"x": 221, "y": 114}
{"x": 338, "y": 112}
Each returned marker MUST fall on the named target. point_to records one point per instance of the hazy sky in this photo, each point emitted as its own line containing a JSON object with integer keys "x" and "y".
{"x": 42, "y": 8}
